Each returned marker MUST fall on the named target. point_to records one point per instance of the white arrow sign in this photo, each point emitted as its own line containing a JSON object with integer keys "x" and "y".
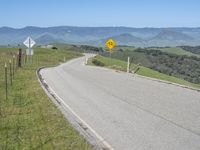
{"x": 29, "y": 42}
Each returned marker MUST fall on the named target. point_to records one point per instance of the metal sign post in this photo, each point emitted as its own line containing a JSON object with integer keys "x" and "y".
{"x": 110, "y": 44}
{"x": 29, "y": 43}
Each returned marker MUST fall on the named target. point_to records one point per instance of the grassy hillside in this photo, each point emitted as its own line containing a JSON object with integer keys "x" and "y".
{"x": 175, "y": 50}
{"x": 64, "y": 46}
{"x": 121, "y": 65}
{"x": 180, "y": 66}
{"x": 124, "y": 48}
{"x": 135, "y": 56}
{"x": 28, "y": 119}
{"x": 192, "y": 49}
{"x": 171, "y": 50}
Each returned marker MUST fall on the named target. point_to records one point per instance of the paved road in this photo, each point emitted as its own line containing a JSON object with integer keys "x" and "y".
{"x": 130, "y": 113}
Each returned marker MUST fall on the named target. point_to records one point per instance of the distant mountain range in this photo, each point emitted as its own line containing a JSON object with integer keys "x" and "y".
{"x": 98, "y": 35}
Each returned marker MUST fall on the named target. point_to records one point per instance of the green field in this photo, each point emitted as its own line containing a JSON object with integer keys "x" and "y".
{"x": 172, "y": 50}
{"x": 124, "y": 48}
{"x": 63, "y": 46}
{"x": 28, "y": 118}
{"x": 175, "y": 50}
{"x": 122, "y": 65}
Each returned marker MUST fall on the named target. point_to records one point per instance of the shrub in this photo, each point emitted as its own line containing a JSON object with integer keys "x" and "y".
{"x": 54, "y": 48}
{"x": 97, "y": 62}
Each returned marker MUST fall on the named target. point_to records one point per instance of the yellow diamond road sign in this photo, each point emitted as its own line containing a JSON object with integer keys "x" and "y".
{"x": 110, "y": 44}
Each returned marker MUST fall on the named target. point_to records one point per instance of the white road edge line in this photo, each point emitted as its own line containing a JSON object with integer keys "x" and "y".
{"x": 76, "y": 115}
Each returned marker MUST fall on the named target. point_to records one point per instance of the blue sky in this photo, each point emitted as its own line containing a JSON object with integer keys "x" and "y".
{"x": 131, "y": 13}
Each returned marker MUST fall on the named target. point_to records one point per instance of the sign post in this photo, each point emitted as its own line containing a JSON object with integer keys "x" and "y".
{"x": 110, "y": 44}
{"x": 29, "y": 43}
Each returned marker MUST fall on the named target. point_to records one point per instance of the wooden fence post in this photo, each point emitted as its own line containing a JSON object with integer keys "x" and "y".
{"x": 13, "y": 66}
{"x": 20, "y": 58}
{"x": 6, "y": 81}
{"x": 10, "y": 69}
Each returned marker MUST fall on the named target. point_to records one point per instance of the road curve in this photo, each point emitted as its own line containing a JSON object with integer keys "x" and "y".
{"x": 129, "y": 112}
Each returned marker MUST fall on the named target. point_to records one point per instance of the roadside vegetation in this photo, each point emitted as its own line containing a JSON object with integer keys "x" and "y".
{"x": 175, "y": 50}
{"x": 181, "y": 66}
{"x": 78, "y": 48}
{"x": 144, "y": 71}
{"x": 28, "y": 119}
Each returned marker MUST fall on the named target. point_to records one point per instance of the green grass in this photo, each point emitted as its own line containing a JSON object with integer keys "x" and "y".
{"x": 124, "y": 48}
{"x": 154, "y": 74}
{"x": 136, "y": 57}
{"x": 63, "y": 46}
{"x": 121, "y": 65}
{"x": 28, "y": 119}
{"x": 177, "y": 51}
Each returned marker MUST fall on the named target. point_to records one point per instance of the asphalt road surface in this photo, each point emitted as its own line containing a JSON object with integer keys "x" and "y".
{"x": 129, "y": 112}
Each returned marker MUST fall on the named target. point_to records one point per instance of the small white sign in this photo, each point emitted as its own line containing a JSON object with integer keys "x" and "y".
{"x": 29, "y": 51}
{"x": 29, "y": 42}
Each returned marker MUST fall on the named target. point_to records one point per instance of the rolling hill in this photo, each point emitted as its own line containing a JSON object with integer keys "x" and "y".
{"x": 126, "y": 39}
{"x": 142, "y": 37}
{"x": 172, "y": 35}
